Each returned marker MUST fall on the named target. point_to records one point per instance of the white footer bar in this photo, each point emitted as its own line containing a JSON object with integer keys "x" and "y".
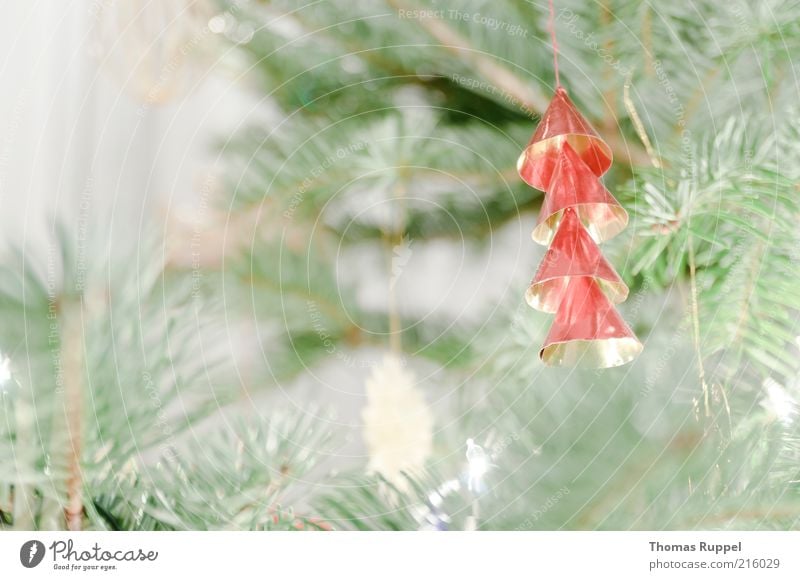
{"x": 407, "y": 556}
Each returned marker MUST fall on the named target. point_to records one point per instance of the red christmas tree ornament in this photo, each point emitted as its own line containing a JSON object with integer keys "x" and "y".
{"x": 574, "y": 185}
{"x": 566, "y": 158}
{"x": 561, "y": 123}
{"x": 588, "y": 330}
{"x": 572, "y": 254}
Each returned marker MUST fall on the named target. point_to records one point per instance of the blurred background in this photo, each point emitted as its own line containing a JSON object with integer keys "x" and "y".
{"x": 265, "y": 263}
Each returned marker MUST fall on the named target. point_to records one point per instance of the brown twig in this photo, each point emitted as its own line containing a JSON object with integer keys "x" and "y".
{"x": 394, "y": 239}
{"x": 637, "y": 123}
{"x": 696, "y": 323}
{"x": 606, "y": 15}
{"x": 72, "y": 373}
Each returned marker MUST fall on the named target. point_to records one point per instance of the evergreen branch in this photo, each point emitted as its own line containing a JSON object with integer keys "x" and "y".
{"x": 238, "y": 478}
{"x": 371, "y": 503}
{"x": 487, "y": 67}
{"x": 733, "y": 225}
{"x": 500, "y": 76}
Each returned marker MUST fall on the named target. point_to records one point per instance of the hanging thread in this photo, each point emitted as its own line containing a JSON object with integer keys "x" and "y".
{"x": 552, "y": 27}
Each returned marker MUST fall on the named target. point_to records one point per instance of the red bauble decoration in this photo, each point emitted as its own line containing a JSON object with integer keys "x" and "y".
{"x": 566, "y": 158}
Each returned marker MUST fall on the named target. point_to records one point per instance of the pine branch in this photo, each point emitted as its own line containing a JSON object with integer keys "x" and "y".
{"x": 499, "y": 75}
{"x": 737, "y": 220}
{"x": 487, "y": 67}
